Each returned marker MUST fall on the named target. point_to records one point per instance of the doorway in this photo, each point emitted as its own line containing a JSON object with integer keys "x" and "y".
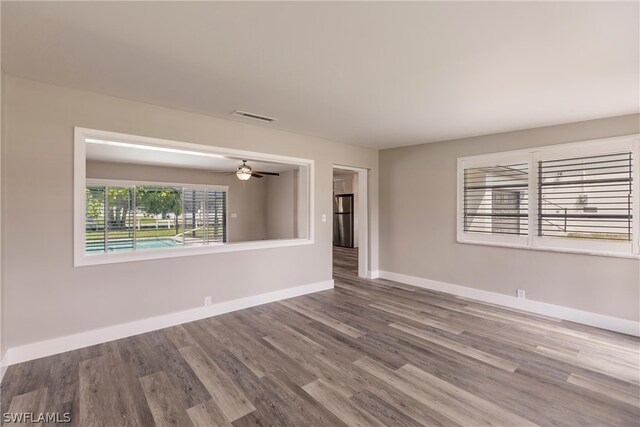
{"x": 350, "y": 222}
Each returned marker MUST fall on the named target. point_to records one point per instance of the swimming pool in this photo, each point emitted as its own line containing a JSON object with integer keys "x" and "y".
{"x": 127, "y": 245}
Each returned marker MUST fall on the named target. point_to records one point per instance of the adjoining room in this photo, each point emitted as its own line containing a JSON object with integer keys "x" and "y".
{"x": 350, "y": 222}
{"x": 320, "y": 213}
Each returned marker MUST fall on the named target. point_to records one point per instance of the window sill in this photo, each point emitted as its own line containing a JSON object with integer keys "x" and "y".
{"x": 552, "y": 249}
{"x": 151, "y": 254}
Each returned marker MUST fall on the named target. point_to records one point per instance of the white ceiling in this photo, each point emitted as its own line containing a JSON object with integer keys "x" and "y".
{"x": 146, "y": 155}
{"x": 378, "y": 74}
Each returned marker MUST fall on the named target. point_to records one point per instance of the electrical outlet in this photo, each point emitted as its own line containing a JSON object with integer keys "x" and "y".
{"x": 520, "y": 293}
{"x": 324, "y": 217}
{"x": 207, "y": 301}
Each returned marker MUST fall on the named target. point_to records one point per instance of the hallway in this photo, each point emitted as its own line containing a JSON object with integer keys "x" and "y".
{"x": 345, "y": 262}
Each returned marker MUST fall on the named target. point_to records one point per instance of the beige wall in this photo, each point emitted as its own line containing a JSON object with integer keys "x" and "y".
{"x": 2, "y": 129}
{"x": 418, "y": 227}
{"x": 280, "y": 205}
{"x": 50, "y": 298}
{"x": 246, "y": 199}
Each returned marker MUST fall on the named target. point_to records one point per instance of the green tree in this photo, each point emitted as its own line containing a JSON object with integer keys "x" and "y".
{"x": 160, "y": 201}
{"x": 95, "y": 203}
{"x": 119, "y": 201}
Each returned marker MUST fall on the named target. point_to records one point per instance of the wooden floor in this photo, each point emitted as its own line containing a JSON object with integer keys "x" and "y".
{"x": 366, "y": 353}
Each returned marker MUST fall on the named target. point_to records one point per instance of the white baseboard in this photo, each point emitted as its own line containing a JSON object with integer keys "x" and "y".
{"x": 374, "y": 274}
{"x": 83, "y": 339}
{"x": 616, "y": 324}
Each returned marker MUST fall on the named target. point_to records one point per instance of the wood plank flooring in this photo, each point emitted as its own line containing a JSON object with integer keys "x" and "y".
{"x": 368, "y": 353}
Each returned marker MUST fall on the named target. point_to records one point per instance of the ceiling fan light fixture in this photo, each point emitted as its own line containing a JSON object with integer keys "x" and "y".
{"x": 244, "y": 171}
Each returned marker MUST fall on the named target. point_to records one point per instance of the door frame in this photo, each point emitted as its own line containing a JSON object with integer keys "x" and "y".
{"x": 363, "y": 217}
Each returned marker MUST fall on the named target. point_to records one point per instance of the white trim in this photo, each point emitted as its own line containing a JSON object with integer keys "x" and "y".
{"x": 546, "y": 243}
{"x": 160, "y": 253}
{"x": 79, "y": 184}
{"x": 635, "y": 230}
{"x": 311, "y": 196}
{"x": 53, "y": 346}
{"x": 363, "y": 218}
{"x": 550, "y": 249}
{"x": 188, "y": 146}
{"x": 582, "y": 146}
{"x": 374, "y": 274}
{"x": 566, "y": 313}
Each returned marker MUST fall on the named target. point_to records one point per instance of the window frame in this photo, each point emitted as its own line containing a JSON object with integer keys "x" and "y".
{"x": 532, "y": 155}
{"x": 80, "y": 182}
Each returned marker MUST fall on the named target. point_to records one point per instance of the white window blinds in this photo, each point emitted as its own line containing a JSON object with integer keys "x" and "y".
{"x": 496, "y": 199}
{"x": 586, "y": 197}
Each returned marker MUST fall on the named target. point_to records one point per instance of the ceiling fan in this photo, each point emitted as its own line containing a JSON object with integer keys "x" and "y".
{"x": 244, "y": 172}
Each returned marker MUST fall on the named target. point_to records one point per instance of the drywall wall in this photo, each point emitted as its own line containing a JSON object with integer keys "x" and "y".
{"x": 2, "y": 129}
{"x": 418, "y": 227}
{"x": 280, "y": 205}
{"x": 247, "y": 214}
{"x": 50, "y": 298}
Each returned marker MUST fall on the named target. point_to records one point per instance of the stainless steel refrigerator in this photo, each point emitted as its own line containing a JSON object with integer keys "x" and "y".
{"x": 343, "y": 220}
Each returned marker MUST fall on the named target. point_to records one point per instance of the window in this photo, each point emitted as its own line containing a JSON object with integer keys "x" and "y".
{"x": 586, "y": 197}
{"x": 133, "y": 217}
{"x": 578, "y": 197}
{"x": 496, "y": 199}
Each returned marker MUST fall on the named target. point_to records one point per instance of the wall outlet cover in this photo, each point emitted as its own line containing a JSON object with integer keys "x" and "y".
{"x": 520, "y": 293}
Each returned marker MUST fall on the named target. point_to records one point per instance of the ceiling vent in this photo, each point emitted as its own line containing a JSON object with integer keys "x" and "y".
{"x": 253, "y": 116}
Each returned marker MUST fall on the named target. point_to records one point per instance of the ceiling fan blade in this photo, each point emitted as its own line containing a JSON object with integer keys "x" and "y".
{"x": 269, "y": 173}
{"x": 256, "y": 175}
{"x": 225, "y": 172}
